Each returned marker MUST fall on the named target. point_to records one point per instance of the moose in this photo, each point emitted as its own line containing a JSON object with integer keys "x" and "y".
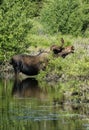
{"x": 32, "y": 64}
{"x": 62, "y": 51}
{"x": 28, "y": 87}
{"x": 28, "y": 64}
{"x": 66, "y": 51}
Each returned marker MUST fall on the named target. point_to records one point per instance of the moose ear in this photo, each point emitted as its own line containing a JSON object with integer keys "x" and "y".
{"x": 72, "y": 48}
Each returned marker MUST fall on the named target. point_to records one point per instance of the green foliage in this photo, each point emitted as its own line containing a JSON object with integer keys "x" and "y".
{"x": 20, "y": 24}
{"x": 68, "y": 17}
{"x": 15, "y": 24}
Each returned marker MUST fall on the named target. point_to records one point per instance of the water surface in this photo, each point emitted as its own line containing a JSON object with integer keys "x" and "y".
{"x": 24, "y": 105}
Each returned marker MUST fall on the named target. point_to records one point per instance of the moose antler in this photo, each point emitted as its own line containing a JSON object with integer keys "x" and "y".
{"x": 62, "y": 42}
{"x": 57, "y": 49}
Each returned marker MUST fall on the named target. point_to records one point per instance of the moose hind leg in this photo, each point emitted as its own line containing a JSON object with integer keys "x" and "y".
{"x": 16, "y": 70}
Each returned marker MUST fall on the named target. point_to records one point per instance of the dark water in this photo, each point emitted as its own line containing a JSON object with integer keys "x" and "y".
{"x": 24, "y": 105}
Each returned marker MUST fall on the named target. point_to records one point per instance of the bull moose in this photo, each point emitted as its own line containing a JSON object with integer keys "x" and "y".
{"x": 29, "y": 65}
{"x": 60, "y": 50}
{"x": 67, "y": 50}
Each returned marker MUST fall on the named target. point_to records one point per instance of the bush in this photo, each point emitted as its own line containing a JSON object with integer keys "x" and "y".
{"x": 67, "y": 17}
{"x": 15, "y": 24}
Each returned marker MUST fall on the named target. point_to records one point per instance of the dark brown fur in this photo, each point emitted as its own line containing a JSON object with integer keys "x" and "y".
{"x": 60, "y": 50}
{"x": 66, "y": 51}
{"x": 29, "y": 65}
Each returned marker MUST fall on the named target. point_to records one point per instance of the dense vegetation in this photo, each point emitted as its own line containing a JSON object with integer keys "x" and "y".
{"x": 26, "y": 24}
{"x": 67, "y": 17}
{"x": 15, "y": 23}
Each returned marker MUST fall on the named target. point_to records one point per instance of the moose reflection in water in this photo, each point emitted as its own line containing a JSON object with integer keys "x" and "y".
{"x": 28, "y": 87}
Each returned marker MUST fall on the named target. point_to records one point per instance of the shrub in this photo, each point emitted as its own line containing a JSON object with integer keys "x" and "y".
{"x": 67, "y": 17}
{"x": 15, "y": 23}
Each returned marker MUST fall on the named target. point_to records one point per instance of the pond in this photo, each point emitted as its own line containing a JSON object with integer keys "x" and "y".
{"x": 24, "y": 105}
